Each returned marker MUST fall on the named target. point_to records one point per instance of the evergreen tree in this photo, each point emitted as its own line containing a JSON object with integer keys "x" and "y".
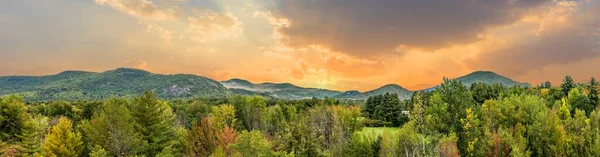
{"x": 593, "y": 93}
{"x": 458, "y": 98}
{"x": 112, "y": 128}
{"x": 32, "y": 135}
{"x": 154, "y": 119}
{"x": 567, "y": 85}
{"x": 546, "y": 85}
{"x": 63, "y": 141}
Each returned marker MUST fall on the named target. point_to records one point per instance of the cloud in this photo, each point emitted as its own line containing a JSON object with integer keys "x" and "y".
{"x": 558, "y": 42}
{"x": 363, "y": 28}
{"x": 136, "y": 63}
{"x": 140, "y": 8}
{"x": 209, "y": 26}
{"x": 161, "y": 32}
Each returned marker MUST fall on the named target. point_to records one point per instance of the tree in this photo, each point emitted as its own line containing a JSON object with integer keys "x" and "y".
{"x": 567, "y": 85}
{"x": 593, "y": 93}
{"x": 546, "y": 85}
{"x": 63, "y": 141}
{"x": 13, "y": 115}
{"x": 223, "y": 115}
{"x": 483, "y": 91}
{"x": 579, "y": 101}
{"x": 301, "y": 138}
{"x": 112, "y": 128}
{"x": 252, "y": 144}
{"x": 154, "y": 119}
{"x": 472, "y": 127}
{"x": 32, "y": 135}
{"x": 98, "y": 151}
{"x": 363, "y": 145}
{"x": 458, "y": 98}
{"x": 249, "y": 112}
{"x": 385, "y": 108}
{"x": 62, "y": 108}
{"x": 202, "y": 138}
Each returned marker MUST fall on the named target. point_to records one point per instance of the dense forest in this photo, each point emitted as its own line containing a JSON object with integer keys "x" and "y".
{"x": 453, "y": 119}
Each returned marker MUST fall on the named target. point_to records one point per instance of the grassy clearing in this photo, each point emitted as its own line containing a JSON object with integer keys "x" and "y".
{"x": 378, "y": 131}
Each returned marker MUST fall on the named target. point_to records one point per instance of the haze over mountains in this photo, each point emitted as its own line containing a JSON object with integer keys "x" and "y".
{"x": 124, "y": 82}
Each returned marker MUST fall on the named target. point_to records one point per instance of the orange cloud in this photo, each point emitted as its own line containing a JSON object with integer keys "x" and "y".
{"x": 140, "y": 8}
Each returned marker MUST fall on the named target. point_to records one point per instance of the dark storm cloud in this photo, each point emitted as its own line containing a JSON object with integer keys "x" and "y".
{"x": 363, "y": 27}
{"x": 576, "y": 39}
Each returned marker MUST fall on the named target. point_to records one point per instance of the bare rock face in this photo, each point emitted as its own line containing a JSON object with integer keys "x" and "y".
{"x": 177, "y": 90}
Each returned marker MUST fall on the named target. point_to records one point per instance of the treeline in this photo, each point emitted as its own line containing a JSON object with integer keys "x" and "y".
{"x": 452, "y": 120}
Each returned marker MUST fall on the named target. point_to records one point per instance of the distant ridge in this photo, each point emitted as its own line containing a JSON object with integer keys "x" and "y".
{"x": 487, "y": 77}
{"x": 402, "y": 92}
{"x": 121, "y": 82}
{"x": 127, "y": 82}
{"x": 277, "y": 90}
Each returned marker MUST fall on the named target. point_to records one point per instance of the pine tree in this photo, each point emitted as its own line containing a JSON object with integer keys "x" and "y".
{"x": 567, "y": 85}
{"x": 31, "y": 136}
{"x": 154, "y": 119}
{"x": 63, "y": 141}
{"x": 593, "y": 93}
{"x": 112, "y": 128}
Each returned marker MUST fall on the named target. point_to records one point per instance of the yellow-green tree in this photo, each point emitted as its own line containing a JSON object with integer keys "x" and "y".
{"x": 63, "y": 141}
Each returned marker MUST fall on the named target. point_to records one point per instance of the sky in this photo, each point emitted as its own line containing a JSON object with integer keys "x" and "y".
{"x": 333, "y": 44}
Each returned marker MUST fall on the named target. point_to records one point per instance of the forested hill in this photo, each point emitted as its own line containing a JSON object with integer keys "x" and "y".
{"x": 122, "y": 82}
{"x": 402, "y": 93}
{"x": 486, "y": 77}
{"x": 277, "y": 90}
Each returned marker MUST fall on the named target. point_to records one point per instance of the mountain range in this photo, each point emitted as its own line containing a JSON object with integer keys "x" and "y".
{"x": 125, "y": 82}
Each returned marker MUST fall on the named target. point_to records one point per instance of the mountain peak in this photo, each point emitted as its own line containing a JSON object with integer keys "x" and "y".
{"x": 483, "y": 72}
{"x": 121, "y": 70}
{"x": 239, "y": 81}
{"x": 392, "y": 86}
{"x": 72, "y": 73}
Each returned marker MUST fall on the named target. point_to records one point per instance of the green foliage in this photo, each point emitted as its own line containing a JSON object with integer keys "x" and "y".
{"x": 482, "y": 92}
{"x": 32, "y": 135}
{"x": 63, "y": 141}
{"x": 577, "y": 100}
{"x": 300, "y": 139}
{"x": 386, "y": 108}
{"x": 593, "y": 94}
{"x": 546, "y": 85}
{"x": 363, "y": 145}
{"x": 62, "y": 108}
{"x": 189, "y": 111}
{"x": 567, "y": 85}
{"x": 154, "y": 120}
{"x": 224, "y": 115}
{"x": 249, "y": 112}
{"x": 252, "y": 144}
{"x": 98, "y": 151}
{"x": 13, "y": 115}
{"x": 112, "y": 128}
{"x": 453, "y": 120}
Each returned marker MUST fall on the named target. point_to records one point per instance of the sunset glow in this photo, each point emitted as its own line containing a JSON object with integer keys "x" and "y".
{"x": 334, "y": 44}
